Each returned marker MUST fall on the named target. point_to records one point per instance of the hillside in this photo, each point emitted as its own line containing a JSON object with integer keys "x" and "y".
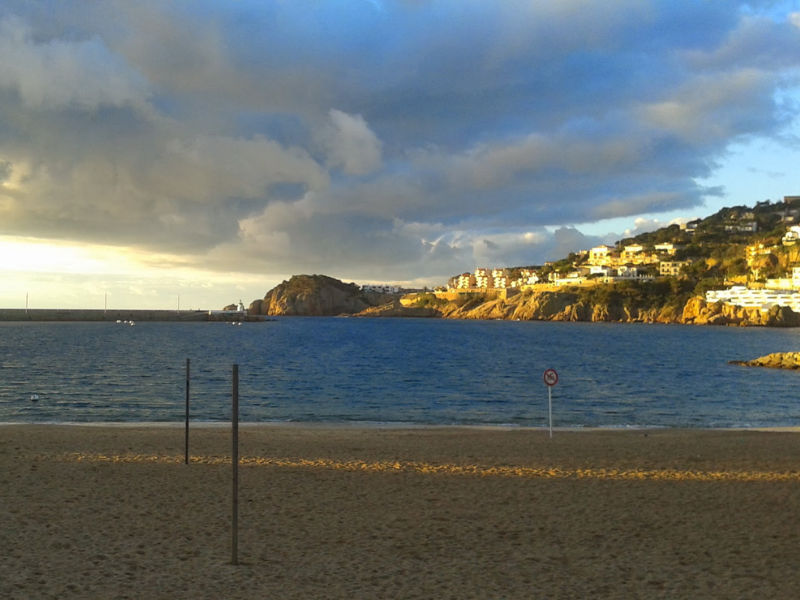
{"x": 737, "y": 245}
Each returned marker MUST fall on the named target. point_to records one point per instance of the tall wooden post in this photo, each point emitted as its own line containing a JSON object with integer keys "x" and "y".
{"x": 187, "y": 413}
{"x": 235, "y": 463}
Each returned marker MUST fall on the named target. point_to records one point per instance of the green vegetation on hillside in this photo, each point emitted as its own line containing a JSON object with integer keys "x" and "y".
{"x": 667, "y": 291}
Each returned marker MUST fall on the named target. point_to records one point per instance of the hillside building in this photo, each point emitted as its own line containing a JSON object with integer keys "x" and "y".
{"x": 672, "y": 268}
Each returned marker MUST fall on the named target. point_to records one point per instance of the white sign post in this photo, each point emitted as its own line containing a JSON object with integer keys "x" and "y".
{"x": 550, "y": 379}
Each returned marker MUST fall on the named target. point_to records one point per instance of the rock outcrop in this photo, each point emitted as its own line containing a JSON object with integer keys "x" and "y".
{"x": 396, "y": 309}
{"x": 778, "y": 360}
{"x": 318, "y": 296}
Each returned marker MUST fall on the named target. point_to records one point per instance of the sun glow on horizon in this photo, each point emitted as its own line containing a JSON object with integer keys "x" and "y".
{"x": 29, "y": 255}
{"x": 65, "y": 275}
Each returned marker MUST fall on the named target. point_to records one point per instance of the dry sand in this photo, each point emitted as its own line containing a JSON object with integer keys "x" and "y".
{"x": 102, "y": 512}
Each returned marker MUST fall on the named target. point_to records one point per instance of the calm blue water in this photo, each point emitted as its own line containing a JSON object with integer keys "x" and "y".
{"x": 398, "y": 370}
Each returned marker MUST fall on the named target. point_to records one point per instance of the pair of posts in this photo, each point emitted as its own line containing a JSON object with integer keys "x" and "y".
{"x": 550, "y": 380}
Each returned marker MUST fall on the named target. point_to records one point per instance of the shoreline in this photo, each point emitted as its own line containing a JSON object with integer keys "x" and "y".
{"x": 370, "y": 425}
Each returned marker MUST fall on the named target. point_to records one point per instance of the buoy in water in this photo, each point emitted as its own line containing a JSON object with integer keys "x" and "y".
{"x": 34, "y": 397}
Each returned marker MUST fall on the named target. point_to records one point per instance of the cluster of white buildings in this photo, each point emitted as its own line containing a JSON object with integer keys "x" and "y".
{"x": 493, "y": 278}
{"x": 635, "y": 254}
{"x": 765, "y": 299}
{"x": 382, "y": 288}
{"x": 776, "y": 292}
{"x": 601, "y": 273}
{"x": 605, "y": 264}
{"x": 631, "y": 262}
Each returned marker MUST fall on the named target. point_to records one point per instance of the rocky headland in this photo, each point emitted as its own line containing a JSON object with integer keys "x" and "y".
{"x": 319, "y": 295}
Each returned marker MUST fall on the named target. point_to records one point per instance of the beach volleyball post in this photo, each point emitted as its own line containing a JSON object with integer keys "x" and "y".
{"x": 550, "y": 379}
{"x": 186, "y": 442}
{"x": 235, "y": 464}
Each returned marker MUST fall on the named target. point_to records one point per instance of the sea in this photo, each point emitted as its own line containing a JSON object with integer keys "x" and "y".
{"x": 397, "y": 372}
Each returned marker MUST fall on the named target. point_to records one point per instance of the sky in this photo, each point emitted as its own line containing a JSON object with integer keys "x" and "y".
{"x": 188, "y": 154}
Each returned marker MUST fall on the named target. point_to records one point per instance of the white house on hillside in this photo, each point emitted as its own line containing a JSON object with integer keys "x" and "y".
{"x": 792, "y": 235}
{"x": 600, "y": 254}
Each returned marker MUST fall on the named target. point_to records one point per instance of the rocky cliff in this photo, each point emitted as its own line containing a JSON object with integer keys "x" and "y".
{"x": 569, "y": 306}
{"x": 316, "y": 295}
{"x": 557, "y": 306}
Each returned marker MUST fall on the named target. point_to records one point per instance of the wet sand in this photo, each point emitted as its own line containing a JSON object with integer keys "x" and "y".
{"x": 340, "y": 512}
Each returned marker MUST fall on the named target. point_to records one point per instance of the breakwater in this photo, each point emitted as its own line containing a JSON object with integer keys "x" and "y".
{"x": 21, "y": 314}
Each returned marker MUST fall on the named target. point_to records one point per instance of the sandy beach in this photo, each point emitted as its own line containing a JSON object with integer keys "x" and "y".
{"x": 345, "y": 512}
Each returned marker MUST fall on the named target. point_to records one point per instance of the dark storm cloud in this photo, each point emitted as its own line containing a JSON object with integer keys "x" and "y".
{"x": 391, "y": 140}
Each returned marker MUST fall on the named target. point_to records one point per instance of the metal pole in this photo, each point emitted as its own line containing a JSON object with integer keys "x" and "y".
{"x": 235, "y": 463}
{"x": 187, "y": 412}
{"x": 550, "y": 407}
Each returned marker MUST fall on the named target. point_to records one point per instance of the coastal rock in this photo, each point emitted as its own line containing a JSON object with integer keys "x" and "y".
{"x": 606, "y": 313}
{"x": 579, "y": 311}
{"x": 543, "y": 305}
{"x": 695, "y": 311}
{"x": 778, "y": 360}
{"x": 781, "y": 316}
{"x": 490, "y": 309}
{"x": 698, "y": 312}
{"x": 397, "y": 309}
{"x": 667, "y": 314}
{"x": 316, "y": 295}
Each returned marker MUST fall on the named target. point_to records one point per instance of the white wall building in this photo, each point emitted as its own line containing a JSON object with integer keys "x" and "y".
{"x": 381, "y": 288}
{"x": 765, "y": 299}
{"x": 792, "y": 235}
{"x": 672, "y": 267}
{"x": 600, "y": 255}
{"x": 627, "y": 271}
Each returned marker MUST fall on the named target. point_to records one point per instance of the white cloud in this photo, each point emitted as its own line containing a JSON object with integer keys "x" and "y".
{"x": 59, "y": 73}
{"x": 712, "y": 108}
{"x": 350, "y": 144}
{"x": 216, "y": 167}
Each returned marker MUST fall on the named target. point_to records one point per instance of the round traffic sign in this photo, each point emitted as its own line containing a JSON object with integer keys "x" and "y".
{"x": 550, "y": 377}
